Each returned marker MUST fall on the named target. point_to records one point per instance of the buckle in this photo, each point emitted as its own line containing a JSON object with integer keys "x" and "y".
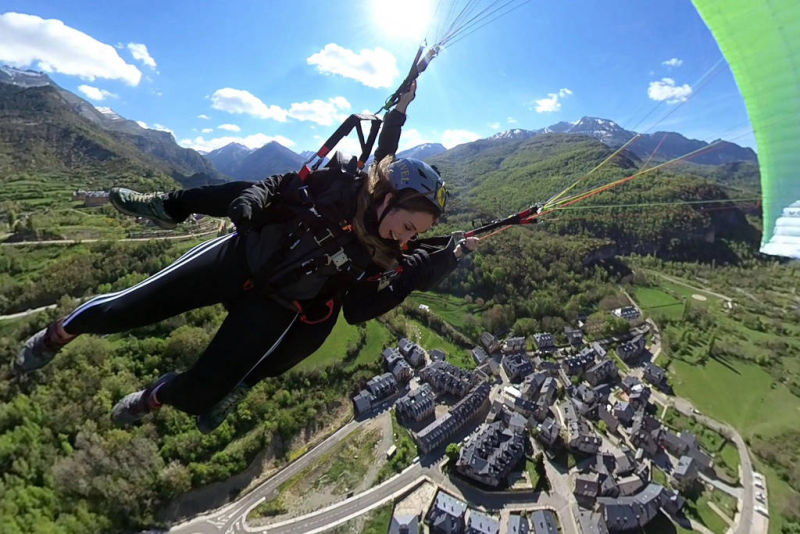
{"x": 328, "y": 235}
{"x": 338, "y": 258}
{"x": 309, "y": 266}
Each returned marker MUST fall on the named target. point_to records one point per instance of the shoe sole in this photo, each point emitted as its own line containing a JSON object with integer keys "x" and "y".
{"x": 122, "y": 209}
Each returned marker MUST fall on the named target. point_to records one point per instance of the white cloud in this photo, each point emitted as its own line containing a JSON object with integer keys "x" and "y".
{"x": 207, "y": 130}
{"x": 320, "y": 112}
{"x": 93, "y": 93}
{"x": 162, "y": 128}
{"x": 203, "y": 116}
{"x": 140, "y": 53}
{"x": 666, "y": 90}
{"x": 52, "y": 46}
{"x": 511, "y": 120}
{"x": 451, "y": 138}
{"x": 494, "y": 125}
{"x": 243, "y": 102}
{"x": 251, "y": 141}
{"x": 373, "y": 68}
{"x": 552, "y": 102}
{"x": 673, "y": 62}
{"x": 411, "y": 138}
{"x": 142, "y": 124}
{"x": 229, "y": 127}
{"x": 317, "y": 111}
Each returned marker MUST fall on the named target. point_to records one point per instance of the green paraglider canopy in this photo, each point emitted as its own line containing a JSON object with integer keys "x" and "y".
{"x": 761, "y": 41}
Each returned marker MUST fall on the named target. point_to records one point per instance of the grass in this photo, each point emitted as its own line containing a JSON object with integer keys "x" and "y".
{"x": 334, "y": 349}
{"x": 739, "y": 393}
{"x": 724, "y": 502}
{"x": 375, "y": 521}
{"x": 658, "y": 302}
{"x": 452, "y": 309}
{"x": 341, "y": 469}
{"x": 661, "y": 524}
{"x": 428, "y": 339}
{"x": 703, "y": 512}
{"x": 406, "y": 452}
{"x": 530, "y": 467}
{"x": 660, "y": 477}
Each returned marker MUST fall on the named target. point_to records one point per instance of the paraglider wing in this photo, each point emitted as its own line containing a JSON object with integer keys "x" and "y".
{"x": 761, "y": 41}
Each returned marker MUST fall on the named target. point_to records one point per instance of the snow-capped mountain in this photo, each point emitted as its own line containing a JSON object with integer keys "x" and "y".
{"x": 23, "y": 78}
{"x": 229, "y": 158}
{"x": 423, "y": 151}
{"x": 516, "y": 133}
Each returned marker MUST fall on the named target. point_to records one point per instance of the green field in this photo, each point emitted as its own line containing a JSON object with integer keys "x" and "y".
{"x": 452, "y": 309}
{"x": 657, "y": 302}
{"x": 428, "y": 339}
{"x": 335, "y": 347}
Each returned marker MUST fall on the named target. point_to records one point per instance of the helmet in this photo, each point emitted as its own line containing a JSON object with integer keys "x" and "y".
{"x": 409, "y": 173}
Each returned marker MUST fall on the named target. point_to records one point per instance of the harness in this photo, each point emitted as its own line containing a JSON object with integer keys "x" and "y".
{"x": 329, "y": 237}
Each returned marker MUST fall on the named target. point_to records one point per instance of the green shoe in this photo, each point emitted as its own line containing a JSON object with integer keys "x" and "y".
{"x": 148, "y": 205}
{"x": 206, "y": 423}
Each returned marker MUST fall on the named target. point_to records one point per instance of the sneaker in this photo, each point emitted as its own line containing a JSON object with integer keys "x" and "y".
{"x": 40, "y": 348}
{"x": 134, "y": 406}
{"x": 206, "y": 423}
{"x": 148, "y": 205}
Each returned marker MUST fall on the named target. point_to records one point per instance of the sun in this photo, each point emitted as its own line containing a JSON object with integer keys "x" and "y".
{"x": 408, "y": 20}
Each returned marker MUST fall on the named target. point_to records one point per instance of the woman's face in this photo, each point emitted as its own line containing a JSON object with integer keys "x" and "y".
{"x": 402, "y": 225}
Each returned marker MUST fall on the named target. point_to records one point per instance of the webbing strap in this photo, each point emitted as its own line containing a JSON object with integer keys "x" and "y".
{"x": 353, "y": 121}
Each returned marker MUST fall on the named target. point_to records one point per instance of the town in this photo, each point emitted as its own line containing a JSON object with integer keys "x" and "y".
{"x": 596, "y": 404}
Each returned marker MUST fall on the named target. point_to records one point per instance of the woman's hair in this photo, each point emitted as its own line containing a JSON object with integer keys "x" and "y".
{"x": 376, "y": 186}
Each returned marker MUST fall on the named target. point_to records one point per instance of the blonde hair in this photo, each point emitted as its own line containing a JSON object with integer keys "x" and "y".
{"x": 376, "y": 186}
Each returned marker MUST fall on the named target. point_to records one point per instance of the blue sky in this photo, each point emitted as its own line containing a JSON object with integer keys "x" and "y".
{"x": 253, "y": 71}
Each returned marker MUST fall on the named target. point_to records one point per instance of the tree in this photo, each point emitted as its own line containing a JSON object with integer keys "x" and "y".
{"x": 453, "y": 451}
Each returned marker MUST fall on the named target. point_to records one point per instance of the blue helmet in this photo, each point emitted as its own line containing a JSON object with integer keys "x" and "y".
{"x": 409, "y": 173}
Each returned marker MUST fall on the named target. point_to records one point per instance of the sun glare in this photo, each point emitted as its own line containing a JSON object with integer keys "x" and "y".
{"x": 408, "y": 20}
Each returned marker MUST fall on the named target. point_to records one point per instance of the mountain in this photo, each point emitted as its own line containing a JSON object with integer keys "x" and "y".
{"x": 662, "y": 146}
{"x": 516, "y": 133}
{"x": 45, "y": 127}
{"x": 228, "y": 158}
{"x": 422, "y": 152}
{"x": 662, "y": 214}
{"x": 272, "y": 158}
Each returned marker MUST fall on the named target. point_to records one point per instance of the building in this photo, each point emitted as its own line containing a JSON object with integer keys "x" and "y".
{"x": 416, "y": 357}
{"x": 635, "y": 511}
{"x": 548, "y": 432}
{"x": 390, "y": 357}
{"x": 545, "y": 342}
{"x": 514, "y": 344}
{"x": 685, "y": 473}
{"x": 418, "y": 405}
{"x": 628, "y": 383}
{"x": 492, "y": 453}
{"x": 576, "y": 365}
{"x": 629, "y": 313}
{"x": 447, "y": 515}
{"x": 517, "y": 366}
{"x": 602, "y": 372}
{"x": 382, "y": 386}
{"x": 479, "y": 355}
{"x": 437, "y": 355}
{"x": 480, "y": 523}
{"x": 624, "y": 412}
{"x": 544, "y": 522}
{"x": 472, "y": 407}
{"x": 580, "y": 436}
{"x": 490, "y": 343}
{"x": 517, "y": 524}
{"x": 574, "y": 336}
{"x": 445, "y": 377}
{"x": 404, "y": 524}
{"x": 587, "y": 488}
{"x": 655, "y": 375}
{"x": 402, "y": 372}
{"x": 630, "y": 350}
{"x": 405, "y": 346}
{"x": 362, "y": 403}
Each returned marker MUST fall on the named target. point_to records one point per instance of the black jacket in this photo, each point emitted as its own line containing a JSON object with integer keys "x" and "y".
{"x": 275, "y": 249}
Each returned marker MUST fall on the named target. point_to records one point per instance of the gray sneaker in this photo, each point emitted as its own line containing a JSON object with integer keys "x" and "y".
{"x": 148, "y": 205}
{"x": 39, "y": 350}
{"x": 207, "y": 422}
{"x": 136, "y": 405}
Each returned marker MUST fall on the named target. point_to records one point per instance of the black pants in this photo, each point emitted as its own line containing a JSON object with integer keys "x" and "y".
{"x": 258, "y": 338}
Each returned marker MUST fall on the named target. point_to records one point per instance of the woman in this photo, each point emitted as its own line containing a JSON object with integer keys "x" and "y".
{"x": 303, "y": 250}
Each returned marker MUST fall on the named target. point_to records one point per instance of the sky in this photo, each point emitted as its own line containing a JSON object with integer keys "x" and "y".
{"x": 254, "y": 71}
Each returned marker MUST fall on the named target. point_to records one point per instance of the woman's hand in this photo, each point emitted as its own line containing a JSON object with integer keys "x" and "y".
{"x": 465, "y": 246}
{"x": 406, "y": 98}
